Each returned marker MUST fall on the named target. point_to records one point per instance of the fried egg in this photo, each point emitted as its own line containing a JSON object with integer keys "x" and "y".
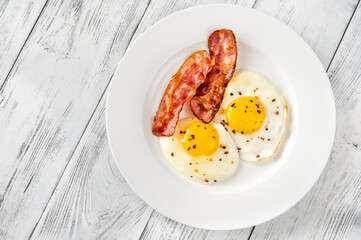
{"x": 202, "y": 152}
{"x": 254, "y": 113}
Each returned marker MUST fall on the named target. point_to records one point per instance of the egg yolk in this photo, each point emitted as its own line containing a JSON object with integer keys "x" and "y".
{"x": 200, "y": 139}
{"x": 245, "y": 115}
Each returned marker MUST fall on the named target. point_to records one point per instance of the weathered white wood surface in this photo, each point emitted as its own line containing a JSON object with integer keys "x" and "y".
{"x": 92, "y": 200}
{"x": 55, "y": 87}
{"x": 17, "y": 18}
{"x": 52, "y": 92}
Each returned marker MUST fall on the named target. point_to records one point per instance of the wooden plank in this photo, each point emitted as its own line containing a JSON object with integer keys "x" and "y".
{"x": 52, "y": 91}
{"x": 17, "y": 18}
{"x": 92, "y": 200}
{"x": 332, "y": 209}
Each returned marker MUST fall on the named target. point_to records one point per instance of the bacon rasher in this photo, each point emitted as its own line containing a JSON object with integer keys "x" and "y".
{"x": 181, "y": 88}
{"x": 208, "y": 98}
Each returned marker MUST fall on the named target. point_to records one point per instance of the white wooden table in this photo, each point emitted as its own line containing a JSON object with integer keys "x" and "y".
{"x": 58, "y": 179}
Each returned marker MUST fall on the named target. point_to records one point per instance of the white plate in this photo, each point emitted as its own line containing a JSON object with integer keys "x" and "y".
{"x": 257, "y": 192}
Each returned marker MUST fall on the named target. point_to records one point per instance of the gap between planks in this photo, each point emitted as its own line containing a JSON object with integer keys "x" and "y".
{"x": 344, "y": 32}
{"x": 22, "y": 47}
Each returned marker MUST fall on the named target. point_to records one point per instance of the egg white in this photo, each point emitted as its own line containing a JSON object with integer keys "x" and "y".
{"x": 204, "y": 169}
{"x": 263, "y": 143}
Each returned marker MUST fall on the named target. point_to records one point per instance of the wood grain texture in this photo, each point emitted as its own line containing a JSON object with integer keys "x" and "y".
{"x": 17, "y": 18}
{"x": 332, "y": 210}
{"x": 92, "y": 201}
{"x": 52, "y": 92}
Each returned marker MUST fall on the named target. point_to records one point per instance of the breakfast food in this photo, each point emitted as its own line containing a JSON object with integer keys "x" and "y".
{"x": 181, "y": 88}
{"x": 222, "y": 46}
{"x": 241, "y": 115}
{"x": 202, "y": 152}
{"x": 254, "y": 112}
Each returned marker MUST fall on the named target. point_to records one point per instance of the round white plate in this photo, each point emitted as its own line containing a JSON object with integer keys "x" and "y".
{"x": 257, "y": 192}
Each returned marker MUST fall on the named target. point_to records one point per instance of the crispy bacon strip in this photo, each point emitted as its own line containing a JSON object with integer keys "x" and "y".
{"x": 208, "y": 98}
{"x": 180, "y": 89}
